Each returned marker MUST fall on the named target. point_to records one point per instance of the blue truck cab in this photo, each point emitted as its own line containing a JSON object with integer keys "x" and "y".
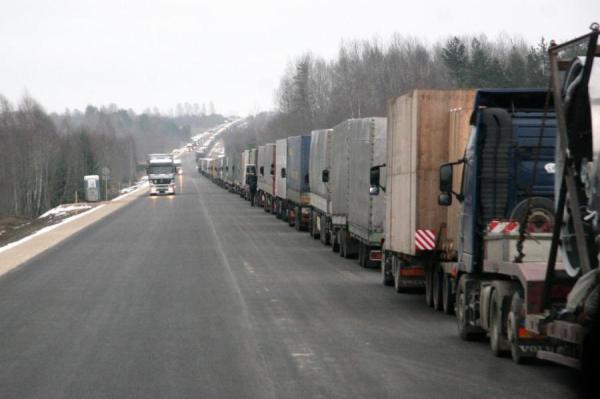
{"x": 508, "y": 159}
{"x": 507, "y": 174}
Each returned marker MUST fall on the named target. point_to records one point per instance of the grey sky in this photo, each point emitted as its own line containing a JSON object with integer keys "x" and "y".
{"x": 144, "y": 53}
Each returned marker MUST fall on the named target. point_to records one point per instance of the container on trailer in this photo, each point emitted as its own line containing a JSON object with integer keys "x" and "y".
{"x": 338, "y": 175}
{"x": 263, "y": 169}
{"x": 252, "y": 156}
{"x": 244, "y": 163}
{"x": 422, "y": 127}
{"x": 298, "y": 149}
{"x": 266, "y": 173}
{"x": 367, "y": 148}
{"x": 319, "y": 169}
{"x": 235, "y": 169}
{"x": 91, "y": 185}
{"x": 281, "y": 168}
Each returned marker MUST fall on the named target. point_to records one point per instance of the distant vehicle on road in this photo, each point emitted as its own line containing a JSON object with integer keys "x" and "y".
{"x": 161, "y": 172}
{"x": 178, "y": 167}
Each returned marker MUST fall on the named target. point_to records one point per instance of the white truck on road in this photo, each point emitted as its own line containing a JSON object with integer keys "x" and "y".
{"x": 161, "y": 171}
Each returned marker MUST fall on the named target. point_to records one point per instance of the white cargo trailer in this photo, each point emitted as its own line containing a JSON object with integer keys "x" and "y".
{"x": 320, "y": 193}
{"x": 280, "y": 178}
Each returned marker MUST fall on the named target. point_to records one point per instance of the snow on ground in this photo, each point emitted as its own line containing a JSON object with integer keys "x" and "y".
{"x": 65, "y": 209}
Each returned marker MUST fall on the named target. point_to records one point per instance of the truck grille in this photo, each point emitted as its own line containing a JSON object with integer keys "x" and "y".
{"x": 161, "y": 181}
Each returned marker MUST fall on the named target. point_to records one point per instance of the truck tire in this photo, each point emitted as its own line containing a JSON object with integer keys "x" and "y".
{"x": 465, "y": 330}
{"x": 498, "y": 342}
{"x": 342, "y": 244}
{"x": 335, "y": 243}
{"x": 437, "y": 277}
{"x": 398, "y": 285}
{"x": 324, "y": 233}
{"x": 447, "y": 297}
{"x": 541, "y": 218}
{"x": 314, "y": 232}
{"x": 298, "y": 218}
{"x": 428, "y": 286}
{"x": 387, "y": 278}
{"x": 363, "y": 257}
{"x": 512, "y": 328}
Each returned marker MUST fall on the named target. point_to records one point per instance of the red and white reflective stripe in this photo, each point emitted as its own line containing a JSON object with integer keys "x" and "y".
{"x": 425, "y": 240}
{"x": 498, "y": 227}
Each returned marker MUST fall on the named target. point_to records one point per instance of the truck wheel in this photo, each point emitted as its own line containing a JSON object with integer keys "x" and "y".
{"x": 447, "y": 297}
{"x": 323, "y": 234}
{"x": 498, "y": 343}
{"x": 313, "y": 226}
{"x": 290, "y": 219}
{"x": 298, "y": 217}
{"x": 437, "y": 277}
{"x": 342, "y": 243}
{"x": 362, "y": 255}
{"x": 428, "y": 286}
{"x": 465, "y": 330}
{"x": 347, "y": 247}
{"x": 512, "y": 328}
{"x": 335, "y": 246}
{"x": 398, "y": 285}
{"x": 386, "y": 278}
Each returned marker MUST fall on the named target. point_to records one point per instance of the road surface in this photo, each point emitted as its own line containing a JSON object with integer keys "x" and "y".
{"x": 202, "y": 296}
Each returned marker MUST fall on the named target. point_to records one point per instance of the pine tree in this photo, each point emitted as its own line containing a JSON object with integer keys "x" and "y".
{"x": 456, "y": 60}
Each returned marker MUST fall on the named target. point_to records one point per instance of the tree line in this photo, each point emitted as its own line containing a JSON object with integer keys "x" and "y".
{"x": 315, "y": 93}
{"x": 44, "y": 156}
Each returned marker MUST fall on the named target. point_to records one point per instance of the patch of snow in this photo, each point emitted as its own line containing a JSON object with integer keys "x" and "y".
{"x": 129, "y": 190}
{"x": 65, "y": 209}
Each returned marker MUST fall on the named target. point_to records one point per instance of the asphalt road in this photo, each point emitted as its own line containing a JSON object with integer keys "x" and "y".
{"x": 202, "y": 296}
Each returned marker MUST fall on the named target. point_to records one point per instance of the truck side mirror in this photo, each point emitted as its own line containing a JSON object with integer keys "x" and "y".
{"x": 374, "y": 180}
{"x": 325, "y": 176}
{"x": 446, "y": 177}
{"x": 272, "y": 171}
{"x": 283, "y": 173}
{"x": 445, "y": 199}
{"x": 262, "y": 170}
{"x": 306, "y": 181}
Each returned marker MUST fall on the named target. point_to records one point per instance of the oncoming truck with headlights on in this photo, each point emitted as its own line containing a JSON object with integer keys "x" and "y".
{"x": 161, "y": 171}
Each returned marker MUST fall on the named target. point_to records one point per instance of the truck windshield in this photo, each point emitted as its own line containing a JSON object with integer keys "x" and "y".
{"x": 160, "y": 169}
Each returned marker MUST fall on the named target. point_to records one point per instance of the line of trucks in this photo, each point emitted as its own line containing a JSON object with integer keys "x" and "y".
{"x": 486, "y": 200}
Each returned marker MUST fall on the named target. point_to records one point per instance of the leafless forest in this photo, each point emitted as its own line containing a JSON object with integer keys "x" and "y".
{"x": 317, "y": 93}
{"x": 43, "y": 157}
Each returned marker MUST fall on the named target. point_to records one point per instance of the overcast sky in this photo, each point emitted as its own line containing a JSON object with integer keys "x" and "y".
{"x": 143, "y": 53}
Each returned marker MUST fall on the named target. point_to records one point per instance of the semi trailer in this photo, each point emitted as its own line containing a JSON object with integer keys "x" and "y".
{"x": 366, "y": 213}
{"x": 266, "y": 176}
{"x": 297, "y": 182}
{"x": 423, "y": 127}
{"x": 280, "y": 202}
{"x": 356, "y": 219}
{"x": 318, "y": 176}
